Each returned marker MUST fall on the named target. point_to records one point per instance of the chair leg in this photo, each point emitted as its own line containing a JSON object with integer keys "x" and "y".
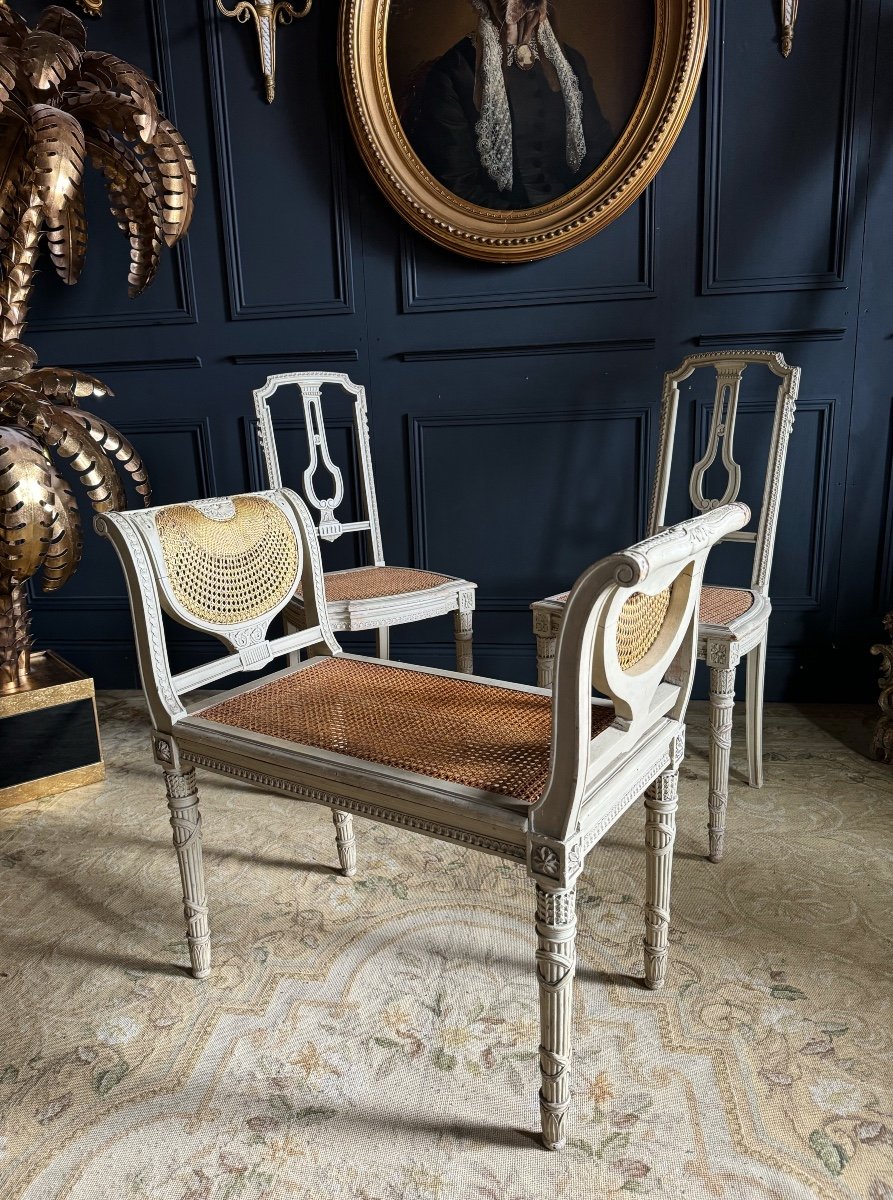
{"x": 383, "y": 642}
{"x": 556, "y": 928}
{"x": 186, "y": 821}
{"x": 722, "y": 701}
{"x": 756, "y": 674}
{"x": 345, "y": 841}
{"x": 545, "y": 659}
{"x": 462, "y": 633}
{"x": 660, "y": 834}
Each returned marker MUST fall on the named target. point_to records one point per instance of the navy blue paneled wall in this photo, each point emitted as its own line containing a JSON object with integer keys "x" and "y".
{"x": 514, "y": 408}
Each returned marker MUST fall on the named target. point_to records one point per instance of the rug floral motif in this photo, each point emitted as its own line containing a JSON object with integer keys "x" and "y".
{"x": 375, "y": 1038}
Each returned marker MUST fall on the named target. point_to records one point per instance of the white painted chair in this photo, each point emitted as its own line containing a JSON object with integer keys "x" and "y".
{"x": 503, "y": 768}
{"x": 371, "y": 597}
{"x": 734, "y": 622}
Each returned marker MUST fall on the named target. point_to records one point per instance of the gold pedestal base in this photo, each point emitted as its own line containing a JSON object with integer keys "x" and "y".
{"x": 49, "y": 734}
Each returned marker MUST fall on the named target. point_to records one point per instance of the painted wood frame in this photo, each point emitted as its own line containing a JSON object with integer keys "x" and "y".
{"x": 721, "y": 646}
{"x": 591, "y": 781}
{"x": 380, "y": 612}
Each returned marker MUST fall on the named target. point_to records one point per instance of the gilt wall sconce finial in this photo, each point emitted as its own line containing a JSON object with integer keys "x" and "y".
{"x": 788, "y": 21}
{"x": 266, "y": 14}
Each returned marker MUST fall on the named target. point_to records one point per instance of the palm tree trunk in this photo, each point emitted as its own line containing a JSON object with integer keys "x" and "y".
{"x": 19, "y": 258}
{"x": 15, "y": 636}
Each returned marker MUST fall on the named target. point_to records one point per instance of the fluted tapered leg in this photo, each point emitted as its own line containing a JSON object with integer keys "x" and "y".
{"x": 545, "y": 659}
{"x": 186, "y": 822}
{"x": 383, "y": 642}
{"x": 556, "y": 929}
{"x": 722, "y": 702}
{"x": 462, "y": 633}
{"x": 345, "y": 841}
{"x": 756, "y": 674}
{"x": 660, "y": 833}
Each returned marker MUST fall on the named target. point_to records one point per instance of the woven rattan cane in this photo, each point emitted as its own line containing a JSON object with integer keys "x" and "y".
{"x": 469, "y": 733}
{"x": 721, "y": 605}
{"x": 638, "y": 626}
{"x": 368, "y": 583}
{"x": 228, "y": 571}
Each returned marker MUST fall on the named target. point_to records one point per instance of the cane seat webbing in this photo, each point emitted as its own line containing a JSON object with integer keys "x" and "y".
{"x": 721, "y": 605}
{"x": 372, "y": 583}
{"x": 476, "y": 734}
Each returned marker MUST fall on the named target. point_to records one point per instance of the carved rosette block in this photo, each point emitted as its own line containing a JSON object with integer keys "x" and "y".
{"x": 186, "y": 822}
{"x": 462, "y": 621}
{"x": 554, "y": 863}
{"x": 556, "y": 929}
{"x": 345, "y": 841}
{"x": 660, "y": 834}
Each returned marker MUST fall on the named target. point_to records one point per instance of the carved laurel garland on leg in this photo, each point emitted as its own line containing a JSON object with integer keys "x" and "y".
{"x": 186, "y": 822}
{"x": 462, "y": 631}
{"x": 660, "y": 833}
{"x": 345, "y": 841}
{"x": 722, "y": 702}
{"x": 556, "y": 928}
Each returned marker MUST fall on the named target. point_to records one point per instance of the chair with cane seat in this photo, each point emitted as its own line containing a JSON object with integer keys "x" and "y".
{"x": 371, "y": 597}
{"x": 503, "y": 768}
{"x": 734, "y": 622}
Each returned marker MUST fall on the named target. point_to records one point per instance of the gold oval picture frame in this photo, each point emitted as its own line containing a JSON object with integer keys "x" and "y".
{"x": 522, "y": 234}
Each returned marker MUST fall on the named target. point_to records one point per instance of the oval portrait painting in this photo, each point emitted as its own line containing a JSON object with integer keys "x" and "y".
{"x": 512, "y": 103}
{"x": 509, "y": 130}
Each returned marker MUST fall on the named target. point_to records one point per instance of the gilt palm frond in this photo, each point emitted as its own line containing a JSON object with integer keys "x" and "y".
{"x": 63, "y": 106}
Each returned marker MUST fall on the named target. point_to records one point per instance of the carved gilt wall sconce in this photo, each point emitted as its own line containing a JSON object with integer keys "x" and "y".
{"x": 93, "y": 8}
{"x": 788, "y": 21}
{"x": 265, "y": 14}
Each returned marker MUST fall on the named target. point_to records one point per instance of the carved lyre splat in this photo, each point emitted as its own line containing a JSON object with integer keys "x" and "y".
{"x": 729, "y": 366}
{"x": 309, "y": 385}
{"x": 330, "y": 527}
{"x": 721, "y": 440}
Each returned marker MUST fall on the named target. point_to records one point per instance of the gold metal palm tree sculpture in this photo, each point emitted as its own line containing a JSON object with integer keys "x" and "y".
{"x": 60, "y": 102}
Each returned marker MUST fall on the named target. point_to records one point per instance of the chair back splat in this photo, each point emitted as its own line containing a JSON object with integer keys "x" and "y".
{"x": 309, "y": 385}
{"x": 729, "y": 367}
{"x": 225, "y": 567}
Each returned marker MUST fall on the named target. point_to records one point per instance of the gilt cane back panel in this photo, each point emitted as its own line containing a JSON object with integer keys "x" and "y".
{"x": 369, "y": 583}
{"x": 232, "y": 569}
{"x": 474, "y": 734}
{"x": 638, "y": 626}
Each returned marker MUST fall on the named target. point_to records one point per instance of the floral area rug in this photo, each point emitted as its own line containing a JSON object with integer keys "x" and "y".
{"x": 375, "y": 1038}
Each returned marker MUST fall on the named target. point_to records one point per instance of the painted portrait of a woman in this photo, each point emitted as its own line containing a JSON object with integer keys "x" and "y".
{"x": 510, "y": 116}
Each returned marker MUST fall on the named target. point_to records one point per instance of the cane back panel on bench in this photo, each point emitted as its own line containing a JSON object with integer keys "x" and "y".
{"x": 233, "y": 569}
{"x": 368, "y": 583}
{"x": 475, "y": 734}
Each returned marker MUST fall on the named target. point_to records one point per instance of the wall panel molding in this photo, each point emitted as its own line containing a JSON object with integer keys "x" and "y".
{"x": 715, "y": 281}
{"x": 414, "y": 300}
{"x": 241, "y": 309}
{"x": 545, "y": 348}
{"x": 419, "y": 426}
{"x": 774, "y": 337}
